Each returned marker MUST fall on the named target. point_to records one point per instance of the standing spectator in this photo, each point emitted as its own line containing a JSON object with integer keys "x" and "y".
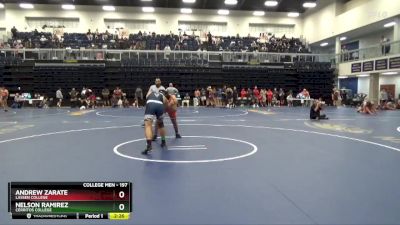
{"x": 289, "y": 99}
{"x": 219, "y": 97}
{"x": 263, "y": 94}
{"x": 229, "y": 97}
{"x": 256, "y": 94}
{"x": 235, "y": 96}
{"x": 172, "y": 90}
{"x": 73, "y": 97}
{"x": 117, "y": 93}
{"x": 196, "y": 99}
{"x": 59, "y": 97}
{"x": 335, "y": 97}
{"x": 209, "y": 37}
{"x": 270, "y": 95}
{"x": 383, "y": 96}
{"x": 14, "y": 32}
{"x": 384, "y": 47}
{"x": 250, "y": 96}
{"x": 281, "y": 97}
{"x": 243, "y": 93}
{"x": 4, "y": 98}
{"x": 105, "y": 93}
{"x": 307, "y": 97}
{"x": 203, "y": 97}
{"x": 138, "y": 97}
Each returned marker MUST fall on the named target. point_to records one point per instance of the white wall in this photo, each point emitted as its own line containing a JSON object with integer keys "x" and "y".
{"x": 326, "y": 22}
{"x": 363, "y": 83}
{"x": 319, "y": 24}
{"x": 166, "y": 19}
{"x": 375, "y": 38}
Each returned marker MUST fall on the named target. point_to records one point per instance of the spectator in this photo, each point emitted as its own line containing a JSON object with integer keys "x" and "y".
{"x": 73, "y": 97}
{"x": 243, "y": 93}
{"x": 335, "y": 97}
{"x": 17, "y": 104}
{"x": 203, "y": 97}
{"x": 270, "y": 95}
{"x": 256, "y": 93}
{"x": 289, "y": 99}
{"x": 172, "y": 90}
{"x": 117, "y": 93}
{"x": 196, "y": 99}
{"x": 235, "y": 96}
{"x": 229, "y": 97}
{"x": 384, "y": 44}
{"x": 105, "y": 93}
{"x": 14, "y": 32}
{"x": 281, "y": 97}
{"x": 383, "y": 96}
{"x": 59, "y": 97}
{"x": 186, "y": 100}
{"x": 138, "y": 97}
{"x": 263, "y": 94}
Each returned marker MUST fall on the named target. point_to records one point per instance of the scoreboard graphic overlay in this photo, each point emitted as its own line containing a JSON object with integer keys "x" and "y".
{"x": 70, "y": 200}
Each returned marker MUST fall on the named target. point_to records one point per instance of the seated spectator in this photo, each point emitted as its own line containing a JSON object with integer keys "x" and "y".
{"x": 43, "y": 104}
{"x": 17, "y": 104}
{"x": 186, "y": 100}
{"x": 315, "y": 111}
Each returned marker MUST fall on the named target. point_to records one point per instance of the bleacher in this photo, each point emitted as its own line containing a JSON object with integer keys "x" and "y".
{"x": 186, "y": 74}
{"x": 150, "y": 42}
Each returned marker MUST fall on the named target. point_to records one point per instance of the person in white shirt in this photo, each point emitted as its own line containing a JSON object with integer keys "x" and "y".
{"x": 59, "y": 97}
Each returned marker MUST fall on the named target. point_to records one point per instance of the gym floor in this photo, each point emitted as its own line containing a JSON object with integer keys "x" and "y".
{"x": 233, "y": 166}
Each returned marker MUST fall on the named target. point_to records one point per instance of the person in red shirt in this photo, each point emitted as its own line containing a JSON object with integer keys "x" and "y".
{"x": 118, "y": 93}
{"x": 243, "y": 93}
{"x": 256, "y": 94}
{"x": 270, "y": 94}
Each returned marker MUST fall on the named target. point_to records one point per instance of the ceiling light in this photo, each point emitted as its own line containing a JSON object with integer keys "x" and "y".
{"x": 108, "y": 8}
{"x": 223, "y": 12}
{"x": 391, "y": 24}
{"x": 271, "y": 3}
{"x": 293, "y": 14}
{"x": 389, "y": 73}
{"x": 189, "y": 1}
{"x": 309, "y": 4}
{"x": 258, "y": 13}
{"x": 186, "y": 10}
{"x": 231, "y": 2}
{"x": 342, "y": 38}
{"x": 68, "y": 7}
{"x": 148, "y": 9}
{"x": 343, "y": 77}
{"x": 363, "y": 75}
{"x": 324, "y": 44}
{"x": 26, "y": 6}
{"x": 146, "y": 0}
{"x": 1, "y": 5}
